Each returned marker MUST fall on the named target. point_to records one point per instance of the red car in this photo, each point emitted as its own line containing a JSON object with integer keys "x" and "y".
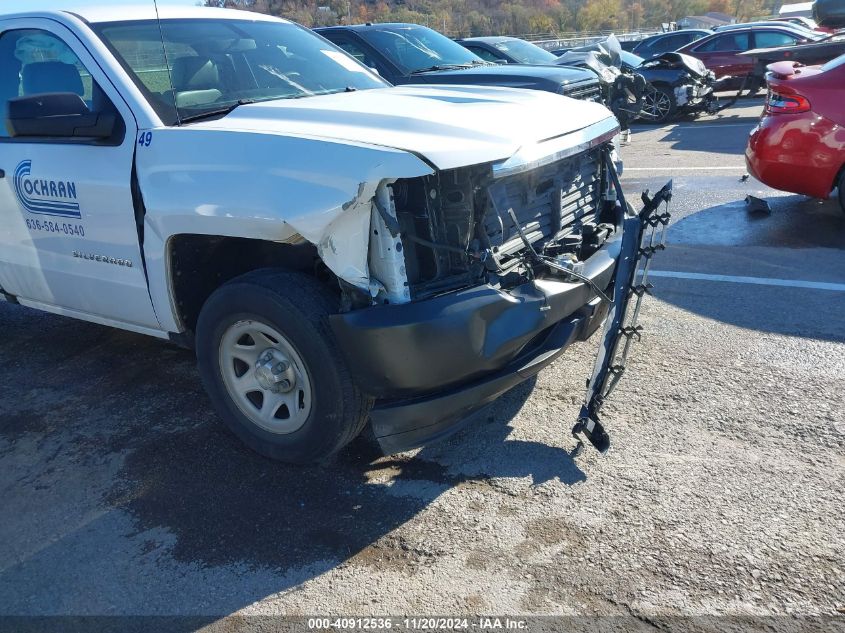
{"x": 799, "y": 144}
{"x": 720, "y": 51}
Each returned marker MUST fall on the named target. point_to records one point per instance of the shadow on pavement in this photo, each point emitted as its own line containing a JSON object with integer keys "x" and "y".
{"x": 796, "y": 222}
{"x": 692, "y": 139}
{"x": 802, "y": 240}
{"x": 224, "y": 504}
{"x": 187, "y": 487}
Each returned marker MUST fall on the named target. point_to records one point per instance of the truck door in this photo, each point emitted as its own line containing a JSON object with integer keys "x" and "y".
{"x": 68, "y": 235}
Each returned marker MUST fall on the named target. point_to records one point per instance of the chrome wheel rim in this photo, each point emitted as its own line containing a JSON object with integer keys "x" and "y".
{"x": 265, "y": 376}
{"x": 657, "y": 104}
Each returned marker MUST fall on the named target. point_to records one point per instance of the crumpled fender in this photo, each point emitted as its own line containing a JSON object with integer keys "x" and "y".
{"x": 284, "y": 189}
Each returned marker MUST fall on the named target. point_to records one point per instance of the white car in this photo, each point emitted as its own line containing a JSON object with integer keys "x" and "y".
{"x": 337, "y": 250}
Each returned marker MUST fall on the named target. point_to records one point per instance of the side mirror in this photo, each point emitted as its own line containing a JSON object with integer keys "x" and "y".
{"x": 57, "y": 114}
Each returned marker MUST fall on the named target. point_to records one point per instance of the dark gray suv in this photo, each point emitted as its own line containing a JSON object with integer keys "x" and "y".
{"x": 409, "y": 53}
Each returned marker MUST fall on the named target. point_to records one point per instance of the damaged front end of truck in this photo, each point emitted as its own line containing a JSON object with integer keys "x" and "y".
{"x": 480, "y": 276}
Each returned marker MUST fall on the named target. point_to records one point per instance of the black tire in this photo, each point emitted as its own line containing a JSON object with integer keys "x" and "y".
{"x": 296, "y": 306}
{"x": 659, "y": 103}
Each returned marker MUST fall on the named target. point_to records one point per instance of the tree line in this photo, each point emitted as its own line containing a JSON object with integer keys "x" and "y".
{"x": 466, "y": 18}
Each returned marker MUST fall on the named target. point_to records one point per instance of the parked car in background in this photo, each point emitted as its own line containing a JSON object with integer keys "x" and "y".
{"x": 799, "y": 144}
{"x": 808, "y": 23}
{"x": 675, "y": 83}
{"x": 810, "y": 53}
{"x": 799, "y": 29}
{"x": 621, "y": 93}
{"x": 666, "y": 42}
{"x": 409, "y": 53}
{"x": 720, "y": 52}
{"x": 510, "y": 50}
{"x": 681, "y": 85}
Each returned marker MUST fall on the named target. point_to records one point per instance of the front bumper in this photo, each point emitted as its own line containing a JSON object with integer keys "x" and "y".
{"x": 432, "y": 363}
{"x": 693, "y": 96}
{"x": 406, "y": 424}
{"x": 445, "y": 344}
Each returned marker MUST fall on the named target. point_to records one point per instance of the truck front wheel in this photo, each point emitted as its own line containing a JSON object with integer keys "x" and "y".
{"x": 270, "y": 364}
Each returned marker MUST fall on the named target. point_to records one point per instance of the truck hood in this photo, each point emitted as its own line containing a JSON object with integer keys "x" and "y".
{"x": 449, "y": 126}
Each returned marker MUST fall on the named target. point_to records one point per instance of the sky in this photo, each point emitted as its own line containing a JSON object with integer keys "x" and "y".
{"x": 13, "y": 6}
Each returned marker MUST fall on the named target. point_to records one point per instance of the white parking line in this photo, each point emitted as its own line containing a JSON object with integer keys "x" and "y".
{"x": 693, "y": 127}
{"x": 669, "y": 168}
{"x": 758, "y": 281}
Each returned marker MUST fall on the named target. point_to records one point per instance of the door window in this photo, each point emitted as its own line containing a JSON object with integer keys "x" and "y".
{"x": 772, "y": 39}
{"x": 728, "y": 42}
{"x": 357, "y": 52}
{"x": 362, "y": 55}
{"x": 484, "y": 54}
{"x": 35, "y": 62}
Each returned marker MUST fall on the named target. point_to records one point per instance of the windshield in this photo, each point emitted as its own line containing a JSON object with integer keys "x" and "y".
{"x": 525, "y": 52}
{"x": 631, "y": 59}
{"x": 801, "y": 31}
{"x": 833, "y": 37}
{"x": 213, "y": 65}
{"x": 417, "y": 48}
{"x": 808, "y": 22}
{"x": 796, "y": 29}
{"x": 805, "y": 32}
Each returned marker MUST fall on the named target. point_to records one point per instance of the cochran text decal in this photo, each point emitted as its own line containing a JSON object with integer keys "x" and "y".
{"x": 45, "y": 197}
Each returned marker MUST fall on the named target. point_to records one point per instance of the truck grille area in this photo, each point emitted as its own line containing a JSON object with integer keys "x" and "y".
{"x": 585, "y": 91}
{"x": 550, "y": 202}
{"x": 457, "y": 228}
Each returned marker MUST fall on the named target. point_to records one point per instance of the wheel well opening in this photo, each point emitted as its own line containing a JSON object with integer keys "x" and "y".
{"x": 199, "y": 264}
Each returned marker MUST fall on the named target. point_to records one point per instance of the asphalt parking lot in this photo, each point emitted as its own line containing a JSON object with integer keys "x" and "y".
{"x": 121, "y": 494}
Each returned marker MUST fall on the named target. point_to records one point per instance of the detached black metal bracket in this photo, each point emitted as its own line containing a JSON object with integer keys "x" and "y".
{"x": 593, "y": 430}
{"x": 631, "y": 332}
{"x": 642, "y": 289}
{"x": 620, "y": 331}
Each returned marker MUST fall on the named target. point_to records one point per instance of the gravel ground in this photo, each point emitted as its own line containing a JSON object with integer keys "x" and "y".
{"x": 722, "y": 494}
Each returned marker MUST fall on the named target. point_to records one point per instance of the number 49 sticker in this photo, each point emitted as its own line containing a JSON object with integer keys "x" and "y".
{"x": 145, "y": 139}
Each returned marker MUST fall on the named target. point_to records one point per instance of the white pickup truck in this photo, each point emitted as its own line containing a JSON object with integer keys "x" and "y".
{"x": 335, "y": 249}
